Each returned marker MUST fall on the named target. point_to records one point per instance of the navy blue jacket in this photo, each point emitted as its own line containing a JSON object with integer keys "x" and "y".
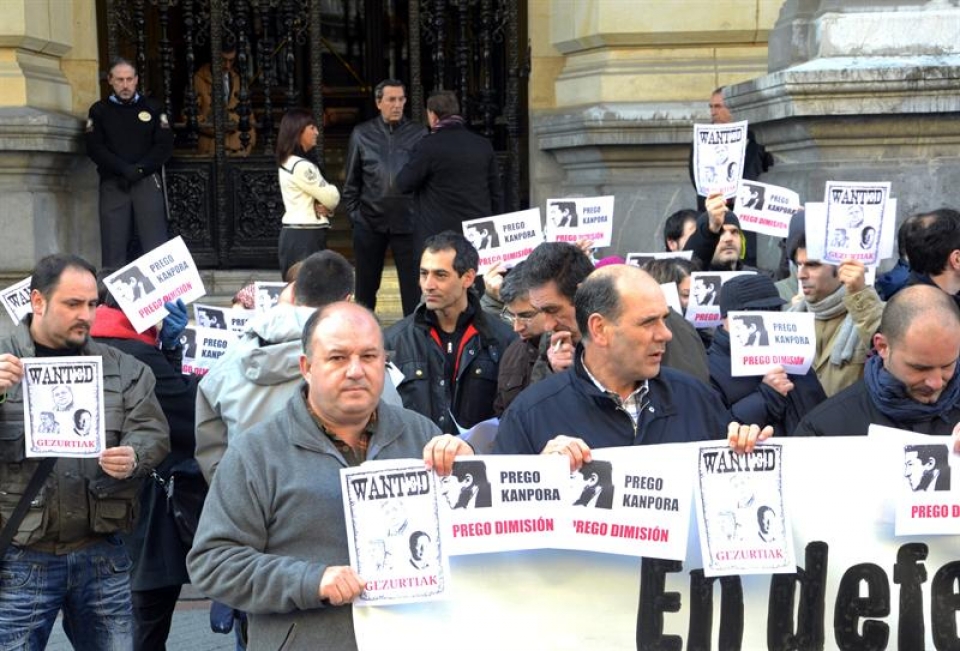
{"x": 752, "y": 401}
{"x": 677, "y": 409}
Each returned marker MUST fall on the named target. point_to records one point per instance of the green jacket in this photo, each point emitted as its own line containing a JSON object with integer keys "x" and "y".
{"x": 79, "y": 503}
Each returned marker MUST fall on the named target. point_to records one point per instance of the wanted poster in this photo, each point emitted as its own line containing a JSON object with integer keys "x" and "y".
{"x": 16, "y": 299}
{"x": 919, "y": 469}
{"x": 855, "y": 217}
{"x": 202, "y": 347}
{"x": 718, "y": 153}
{"x": 759, "y": 341}
{"x": 703, "y": 308}
{"x": 392, "y": 512}
{"x": 764, "y": 208}
{"x": 638, "y": 259}
{"x": 631, "y": 501}
{"x": 815, "y": 230}
{"x": 503, "y": 502}
{"x": 164, "y": 274}
{"x": 63, "y": 406}
{"x": 744, "y": 527}
{"x": 584, "y": 218}
{"x": 266, "y": 295}
{"x": 504, "y": 239}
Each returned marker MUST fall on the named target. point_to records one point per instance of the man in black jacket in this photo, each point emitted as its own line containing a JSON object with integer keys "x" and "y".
{"x": 449, "y": 349}
{"x": 911, "y": 383}
{"x": 453, "y": 172}
{"x": 129, "y": 138}
{"x": 381, "y": 214}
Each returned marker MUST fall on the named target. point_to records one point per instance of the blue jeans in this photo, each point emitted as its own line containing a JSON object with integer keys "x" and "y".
{"x": 91, "y": 586}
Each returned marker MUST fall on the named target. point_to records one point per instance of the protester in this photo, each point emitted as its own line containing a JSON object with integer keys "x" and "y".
{"x": 158, "y": 553}
{"x": 911, "y": 383}
{"x": 449, "y": 349}
{"x": 63, "y": 549}
{"x": 516, "y": 366}
{"x": 617, "y": 392}
{"x": 678, "y": 228}
{"x": 777, "y": 398}
{"x": 272, "y": 540}
{"x": 932, "y": 244}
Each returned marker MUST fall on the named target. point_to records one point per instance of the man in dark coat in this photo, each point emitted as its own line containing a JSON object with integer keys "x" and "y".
{"x": 777, "y": 398}
{"x": 912, "y": 382}
{"x": 449, "y": 349}
{"x": 453, "y": 172}
{"x": 158, "y": 553}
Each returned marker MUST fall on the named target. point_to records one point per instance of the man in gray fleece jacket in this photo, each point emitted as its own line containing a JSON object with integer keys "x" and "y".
{"x": 272, "y": 540}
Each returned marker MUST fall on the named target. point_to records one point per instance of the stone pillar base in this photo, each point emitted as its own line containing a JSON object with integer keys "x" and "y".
{"x": 49, "y": 189}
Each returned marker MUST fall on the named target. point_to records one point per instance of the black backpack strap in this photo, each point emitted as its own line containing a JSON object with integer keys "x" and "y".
{"x": 36, "y": 483}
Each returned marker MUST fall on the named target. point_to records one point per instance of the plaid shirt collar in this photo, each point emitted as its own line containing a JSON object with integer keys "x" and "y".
{"x": 632, "y": 404}
{"x": 354, "y": 456}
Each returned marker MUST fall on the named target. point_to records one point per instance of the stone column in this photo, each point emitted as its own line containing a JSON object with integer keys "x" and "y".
{"x": 48, "y": 63}
{"x": 616, "y": 86}
{"x": 862, "y": 91}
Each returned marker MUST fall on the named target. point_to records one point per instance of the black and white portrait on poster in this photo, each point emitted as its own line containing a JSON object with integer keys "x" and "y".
{"x": 393, "y": 531}
{"x": 63, "y": 406}
{"x": 208, "y": 316}
{"x": 467, "y": 487}
{"x": 16, "y": 299}
{"x": 855, "y": 218}
{"x": 594, "y": 480}
{"x": 482, "y": 234}
{"x": 131, "y": 286}
{"x": 266, "y": 295}
{"x": 740, "y": 511}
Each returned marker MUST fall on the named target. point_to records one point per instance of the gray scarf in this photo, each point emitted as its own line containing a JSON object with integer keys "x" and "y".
{"x": 829, "y": 308}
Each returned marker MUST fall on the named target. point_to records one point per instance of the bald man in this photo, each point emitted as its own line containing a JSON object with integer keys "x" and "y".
{"x": 911, "y": 383}
{"x": 616, "y": 392}
{"x": 272, "y": 540}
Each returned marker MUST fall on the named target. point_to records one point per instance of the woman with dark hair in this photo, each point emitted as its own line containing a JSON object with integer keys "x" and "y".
{"x": 308, "y": 200}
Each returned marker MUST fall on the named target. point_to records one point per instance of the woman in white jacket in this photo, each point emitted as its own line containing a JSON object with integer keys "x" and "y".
{"x": 308, "y": 199}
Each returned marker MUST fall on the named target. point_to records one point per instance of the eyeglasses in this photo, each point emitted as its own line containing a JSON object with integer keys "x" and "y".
{"x": 524, "y": 318}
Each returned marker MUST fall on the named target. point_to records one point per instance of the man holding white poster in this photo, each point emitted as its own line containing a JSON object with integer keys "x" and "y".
{"x": 911, "y": 383}
{"x": 70, "y": 532}
{"x": 273, "y": 540}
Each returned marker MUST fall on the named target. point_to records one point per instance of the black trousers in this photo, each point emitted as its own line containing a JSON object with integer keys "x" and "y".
{"x": 297, "y": 244}
{"x": 152, "y": 616}
{"x": 122, "y": 206}
{"x": 370, "y": 250}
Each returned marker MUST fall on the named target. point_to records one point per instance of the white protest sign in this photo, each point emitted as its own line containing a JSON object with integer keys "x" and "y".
{"x": 703, "y": 308}
{"x": 672, "y": 294}
{"x": 63, "y": 406}
{"x": 504, "y": 502}
{"x": 638, "y": 259}
{"x": 16, "y": 299}
{"x": 237, "y": 319}
{"x": 202, "y": 347}
{"x": 851, "y": 571}
{"x": 582, "y": 218}
{"x": 718, "y": 153}
{"x": 744, "y": 528}
{"x": 266, "y": 295}
{"x": 164, "y": 274}
{"x": 815, "y": 231}
{"x": 632, "y": 500}
{"x": 855, "y": 218}
{"x": 759, "y": 341}
{"x": 393, "y": 531}
{"x": 506, "y": 239}
{"x": 920, "y": 470}
{"x": 764, "y": 208}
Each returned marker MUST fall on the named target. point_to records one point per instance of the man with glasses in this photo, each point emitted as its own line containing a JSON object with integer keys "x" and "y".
{"x": 552, "y": 274}
{"x": 517, "y": 363}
